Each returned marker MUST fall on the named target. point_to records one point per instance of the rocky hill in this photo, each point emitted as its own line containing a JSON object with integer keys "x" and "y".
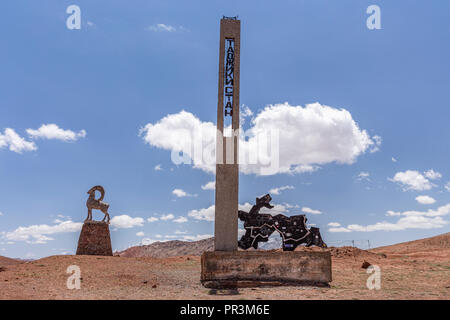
{"x": 169, "y": 249}
{"x": 437, "y": 243}
{"x": 4, "y": 261}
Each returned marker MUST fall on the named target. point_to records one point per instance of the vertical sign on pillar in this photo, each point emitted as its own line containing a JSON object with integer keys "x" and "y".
{"x": 227, "y": 167}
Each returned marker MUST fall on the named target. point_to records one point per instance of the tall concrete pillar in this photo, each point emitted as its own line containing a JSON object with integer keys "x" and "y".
{"x": 227, "y": 167}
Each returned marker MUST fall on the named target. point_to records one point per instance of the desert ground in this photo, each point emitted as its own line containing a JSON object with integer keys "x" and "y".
{"x": 414, "y": 270}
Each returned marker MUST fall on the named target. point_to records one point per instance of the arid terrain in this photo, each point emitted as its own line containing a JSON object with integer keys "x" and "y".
{"x": 413, "y": 270}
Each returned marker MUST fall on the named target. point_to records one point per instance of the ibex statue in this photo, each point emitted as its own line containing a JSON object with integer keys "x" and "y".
{"x": 98, "y": 204}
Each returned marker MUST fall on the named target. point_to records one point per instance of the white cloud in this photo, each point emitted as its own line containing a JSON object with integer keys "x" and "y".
{"x": 393, "y": 159}
{"x": 429, "y": 219}
{"x": 197, "y": 237}
{"x": 334, "y": 224}
{"x": 209, "y": 186}
{"x": 207, "y": 214}
{"x": 311, "y": 211}
{"x": 377, "y": 143}
{"x": 308, "y": 136}
{"x": 245, "y": 112}
{"x": 363, "y": 176}
{"x": 278, "y": 190}
{"x": 158, "y": 167}
{"x": 152, "y": 219}
{"x": 338, "y": 229}
{"x": 433, "y": 175}
{"x": 38, "y": 234}
{"x": 277, "y": 208}
{"x": 180, "y": 220}
{"x": 125, "y": 222}
{"x": 52, "y": 131}
{"x": 425, "y": 200}
{"x": 179, "y": 193}
{"x": 412, "y": 180}
{"x": 166, "y": 217}
{"x": 147, "y": 241}
{"x": 447, "y": 186}
{"x": 10, "y": 139}
{"x": 1, "y": 213}
{"x": 140, "y": 234}
{"x": 203, "y": 214}
{"x": 441, "y": 211}
{"x": 161, "y": 27}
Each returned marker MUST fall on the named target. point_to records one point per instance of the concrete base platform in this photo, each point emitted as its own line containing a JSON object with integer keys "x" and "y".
{"x": 236, "y": 269}
{"x": 95, "y": 239}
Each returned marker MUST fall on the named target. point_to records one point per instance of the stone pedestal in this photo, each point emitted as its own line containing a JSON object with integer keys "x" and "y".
{"x": 222, "y": 269}
{"x": 95, "y": 239}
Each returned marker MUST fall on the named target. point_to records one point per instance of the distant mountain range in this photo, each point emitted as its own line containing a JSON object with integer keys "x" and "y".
{"x": 196, "y": 248}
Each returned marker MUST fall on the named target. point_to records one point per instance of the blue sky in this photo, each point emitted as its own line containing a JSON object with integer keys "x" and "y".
{"x": 132, "y": 65}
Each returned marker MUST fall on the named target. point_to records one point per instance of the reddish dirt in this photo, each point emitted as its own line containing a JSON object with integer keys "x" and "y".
{"x": 404, "y": 275}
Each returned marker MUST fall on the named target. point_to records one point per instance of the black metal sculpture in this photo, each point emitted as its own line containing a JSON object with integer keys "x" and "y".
{"x": 293, "y": 230}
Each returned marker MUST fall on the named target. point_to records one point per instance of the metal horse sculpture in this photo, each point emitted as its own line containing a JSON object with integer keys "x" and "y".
{"x": 98, "y": 204}
{"x": 260, "y": 226}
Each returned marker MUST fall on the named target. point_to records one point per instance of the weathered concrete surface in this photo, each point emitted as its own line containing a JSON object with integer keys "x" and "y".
{"x": 95, "y": 239}
{"x": 265, "y": 268}
{"x": 227, "y": 170}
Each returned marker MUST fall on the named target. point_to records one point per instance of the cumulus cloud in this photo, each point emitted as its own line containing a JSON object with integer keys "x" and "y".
{"x": 334, "y": 224}
{"x": 433, "y": 175}
{"x": 338, "y": 229}
{"x": 158, "y": 167}
{"x": 311, "y": 211}
{"x": 447, "y": 186}
{"x": 306, "y": 137}
{"x": 429, "y": 219}
{"x": 245, "y": 112}
{"x": 11, "y": 140}
{"x": 39, "y": 234}
{"x": 377, "y": 143}
{"x": 125, "y": 222}
{"x": 278, "y": 190}
{"x": 425, "y": 200}
{"x": 209, "y": 186}
{"x": 393, "y": 159}
{"x": 152, "y": 219}
{"x": 203, "y": 214}
{"x": 412, "y": 180}
{"x": 180, "y": 220}
{"x": 207, "y": 214}
{"x": 166, "y": 217}
{"x": 147, "y": 241}
{"x": 180, "y": 193}
{"x": 52, "y": 131}
{"x": 140, "y": 234}
{"x": 197, "y": 237}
